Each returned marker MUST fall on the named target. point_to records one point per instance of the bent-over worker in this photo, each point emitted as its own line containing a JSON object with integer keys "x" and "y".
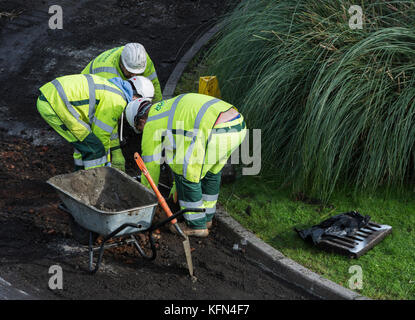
{"x": 84, "y": 109}
{"x": 198, "y": 134}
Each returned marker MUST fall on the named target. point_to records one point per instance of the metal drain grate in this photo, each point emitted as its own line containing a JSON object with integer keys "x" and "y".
{"x": 362, "y": 241}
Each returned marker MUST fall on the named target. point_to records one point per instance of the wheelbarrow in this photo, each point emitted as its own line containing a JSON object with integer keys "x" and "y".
{"x": 109, "y": 203}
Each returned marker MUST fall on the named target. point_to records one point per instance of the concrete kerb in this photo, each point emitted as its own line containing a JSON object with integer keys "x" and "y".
{"x": 256, "y": 249}
{"x": 174, "y": 78}
{"x": 281, "y": 266}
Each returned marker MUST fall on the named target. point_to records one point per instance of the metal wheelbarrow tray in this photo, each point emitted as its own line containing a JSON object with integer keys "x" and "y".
{"x": 102, "y": 199}
{"x": 110, "y": 203}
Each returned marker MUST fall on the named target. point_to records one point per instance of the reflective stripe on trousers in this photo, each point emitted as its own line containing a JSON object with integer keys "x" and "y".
{"x": 88, "y": 164}
{"x": 203, "y": 194}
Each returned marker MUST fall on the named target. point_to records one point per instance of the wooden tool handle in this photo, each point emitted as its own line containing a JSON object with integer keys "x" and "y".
{"x": 160, "y": 198}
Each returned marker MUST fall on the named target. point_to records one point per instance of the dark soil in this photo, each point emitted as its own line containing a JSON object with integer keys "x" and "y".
{"x": 34, "y": 233}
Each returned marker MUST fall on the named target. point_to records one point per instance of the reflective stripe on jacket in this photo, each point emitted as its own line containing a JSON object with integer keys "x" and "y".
{"x": 107, "y": 65}
{"x": 182, "y": 126}
{"x": 86, "y": 103}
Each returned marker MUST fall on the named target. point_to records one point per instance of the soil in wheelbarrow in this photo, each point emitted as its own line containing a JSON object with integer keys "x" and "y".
{"x": 105, "y": 189}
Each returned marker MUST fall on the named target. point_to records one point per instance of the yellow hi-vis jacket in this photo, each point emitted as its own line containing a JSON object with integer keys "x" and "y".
{"x": 85, "y": 104}
{"x": 182, "y": 126}
{"x": 107, "y": 65}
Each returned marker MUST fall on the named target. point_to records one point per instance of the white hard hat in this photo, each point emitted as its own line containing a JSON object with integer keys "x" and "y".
{"x": 134, "y": 58}
{"x": 143, "y": 86}
{"x": 137, "y": 107}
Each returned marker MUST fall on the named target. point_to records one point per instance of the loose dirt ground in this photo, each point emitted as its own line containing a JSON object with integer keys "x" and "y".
{"x": 34, "y": 234}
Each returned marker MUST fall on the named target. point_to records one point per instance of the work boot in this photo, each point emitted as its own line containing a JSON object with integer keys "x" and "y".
{"x": 201, "y": 233}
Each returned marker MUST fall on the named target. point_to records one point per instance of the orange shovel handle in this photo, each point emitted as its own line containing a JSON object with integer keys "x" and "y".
{"x": 160, "y": 198}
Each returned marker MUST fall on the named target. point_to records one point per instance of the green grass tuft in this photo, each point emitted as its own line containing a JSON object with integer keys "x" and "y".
{"x": 336, "y": 106}
{"x": 261, "y": 205}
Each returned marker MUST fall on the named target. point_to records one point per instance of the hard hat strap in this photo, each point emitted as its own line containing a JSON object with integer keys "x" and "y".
{"x": 122, "y": 123}
{"x": 134, "y": 88}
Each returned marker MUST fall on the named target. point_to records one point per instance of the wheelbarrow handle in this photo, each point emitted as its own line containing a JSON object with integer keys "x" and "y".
{"x": 174, "y": 216}
{"x": 121, "y": 228}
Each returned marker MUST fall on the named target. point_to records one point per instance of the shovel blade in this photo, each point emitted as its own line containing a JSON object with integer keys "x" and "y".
{"x": 186, "y": 246}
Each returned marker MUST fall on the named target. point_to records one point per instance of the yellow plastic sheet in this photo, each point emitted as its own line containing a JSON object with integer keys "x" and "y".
{"x": 209, "y": 85}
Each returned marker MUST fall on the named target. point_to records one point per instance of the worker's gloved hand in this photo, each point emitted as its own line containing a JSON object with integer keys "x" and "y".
{"x": 117, "y": 160}
{"x": 173, "y": 192}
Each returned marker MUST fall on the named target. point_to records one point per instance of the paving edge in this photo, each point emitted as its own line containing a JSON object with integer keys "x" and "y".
{"x": 256, "y": 249}
{"x": 175, "y": 76}
{"x": 283, "y": 267}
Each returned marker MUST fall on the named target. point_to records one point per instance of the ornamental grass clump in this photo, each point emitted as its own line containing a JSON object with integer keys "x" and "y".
{"x": 336, "y": 105}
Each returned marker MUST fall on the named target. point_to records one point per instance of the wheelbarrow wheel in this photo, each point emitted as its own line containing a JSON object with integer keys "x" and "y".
{"x": 81, "y": 234}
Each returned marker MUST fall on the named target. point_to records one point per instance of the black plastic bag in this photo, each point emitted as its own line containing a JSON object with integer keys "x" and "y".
{"x": 345, "y": 224}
